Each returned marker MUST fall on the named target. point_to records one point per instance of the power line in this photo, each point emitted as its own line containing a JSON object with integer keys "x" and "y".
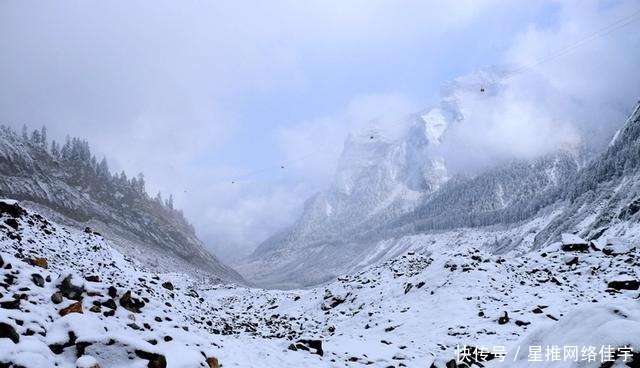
{"x": 622, "y": 22}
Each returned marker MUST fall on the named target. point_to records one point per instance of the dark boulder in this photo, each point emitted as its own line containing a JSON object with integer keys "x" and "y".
{"x": 13, "y": 210}
{"x": 111, "y": 304}
{"x": 130, "y": 303}
{"x": 69, "y": 290}
{"x": 310, "y": 345}
{"x": 37, "y": 279}
{"x": 12, "y": 222}
{"x": 11, "y": 304}
{"x": 503, "y": 319}
{"x": 92, "y": 278}
{"x": 155, "y": 360}
{"x": 577, "y": 247}
{"x": 8, "y": 332}
{"x": 624, "y": 285}
{"x": 56, "y": 297}
{"x": 112, "y": 292}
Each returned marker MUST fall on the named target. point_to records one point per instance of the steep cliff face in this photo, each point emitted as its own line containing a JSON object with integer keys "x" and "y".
{"x": 391, "y": 183}
{"x": 605, "y": 196}
{"x": 393, "y": 186}
{"x": 72, "y": 186}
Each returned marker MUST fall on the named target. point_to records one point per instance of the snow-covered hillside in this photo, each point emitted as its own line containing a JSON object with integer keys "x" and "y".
{"x": 68, "y": 183}
{"x": 68, "y": 298}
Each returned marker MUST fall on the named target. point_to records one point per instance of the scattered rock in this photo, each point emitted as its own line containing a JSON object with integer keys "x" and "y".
{"x": 37, "y": 279}
{"x": 11, "y": 304}
{"x": 581, "y": 247}
{"x": 570, "y": 261}
{"x": 8, "y": 332}
{"x": 39, "y": 262}
{"x": 69, "y": 290}
{"x": 312, "y": 346}
{"x": 504, "y": 319}
{"x": 12, "y": 222}
{"x": 92, "y": 278}
{"x": 616, "y": 247}
{"x": 13, "y": 209}
{"x": 574, "y": 243}
{"x": 332, "y": 301}
{"x": 73, "y": 308}
{"x": 167, "y": 285}
{"x": 111, "y": 304}
{"x": 130, "y": 303}
{"x": 112, "y": 292}
{"x": 155, "y": 360}
{"x": 59, "y": 348}
{"x": 624, "y": 285}
{"x": 56, "y": 297}
{"x": 213, "y": 362}
{"x": 408, "y": 288}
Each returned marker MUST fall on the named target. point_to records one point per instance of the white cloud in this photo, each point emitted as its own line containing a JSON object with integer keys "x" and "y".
{"x": 569, "y": 99}
{"x": 312, "y": 147}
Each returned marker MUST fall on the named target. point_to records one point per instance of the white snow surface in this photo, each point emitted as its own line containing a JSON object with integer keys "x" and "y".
{"x": 411, "y": 309}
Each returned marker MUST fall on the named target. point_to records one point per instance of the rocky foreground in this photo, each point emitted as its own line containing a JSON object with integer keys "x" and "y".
{"x": 69, "y": 299}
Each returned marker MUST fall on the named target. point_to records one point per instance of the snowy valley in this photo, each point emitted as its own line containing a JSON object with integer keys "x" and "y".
{"x": 320, "y": 184}
{"x": 70, "y": 299}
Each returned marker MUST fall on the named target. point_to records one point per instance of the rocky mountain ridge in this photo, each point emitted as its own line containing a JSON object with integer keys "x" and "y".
{"x": 69, "y": 184}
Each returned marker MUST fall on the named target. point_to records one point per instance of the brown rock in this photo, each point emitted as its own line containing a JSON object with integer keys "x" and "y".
{"x": 40, "y": 262}
{"x": 95, "y": 309}
{"x": 73, "y": 308}
{"x": 213, "y": 362}
{"x": 130, "y": 303}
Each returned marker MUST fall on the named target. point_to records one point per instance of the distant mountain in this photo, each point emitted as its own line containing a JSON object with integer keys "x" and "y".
{"x": 68, "y": 182}
{"x": 392, "y": 188}
{"x": 605, "y": 196}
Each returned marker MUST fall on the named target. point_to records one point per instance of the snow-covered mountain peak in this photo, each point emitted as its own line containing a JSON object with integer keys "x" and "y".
{"x": 400, "y": 153}
{"x": 457, "y": 98}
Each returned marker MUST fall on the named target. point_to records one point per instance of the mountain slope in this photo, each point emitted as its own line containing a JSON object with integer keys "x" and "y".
{"x": 388, "y": 187}
{"x": 605, "y": 196}
{"x": 71, "y": 185}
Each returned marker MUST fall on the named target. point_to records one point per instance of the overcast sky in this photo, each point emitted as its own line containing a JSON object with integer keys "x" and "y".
{"x": 196, "y": 94}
